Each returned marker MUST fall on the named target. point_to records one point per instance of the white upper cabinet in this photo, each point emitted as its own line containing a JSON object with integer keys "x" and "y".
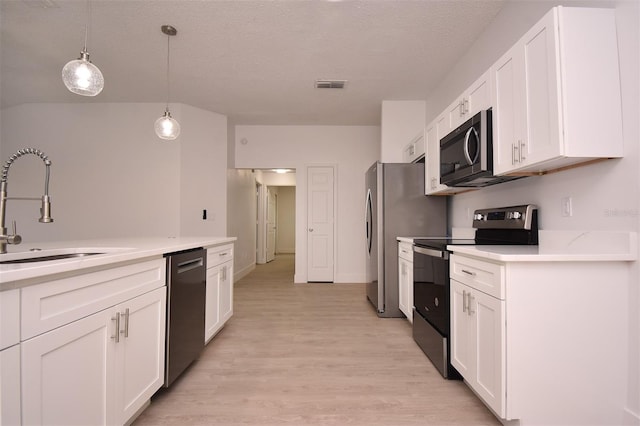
{"x": 414, "y": 149}
{"x": 401, "y": 126}
{"x": 473, "y": 100}
{"x": 556, "y": 94}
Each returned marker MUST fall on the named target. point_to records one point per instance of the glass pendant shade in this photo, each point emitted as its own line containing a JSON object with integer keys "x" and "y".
{"x": 82, "y": 77}
{"x": 167, "y": 127}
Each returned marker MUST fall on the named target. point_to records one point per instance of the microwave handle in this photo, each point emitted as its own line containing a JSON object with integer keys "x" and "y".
{"x": 466, "y": 146}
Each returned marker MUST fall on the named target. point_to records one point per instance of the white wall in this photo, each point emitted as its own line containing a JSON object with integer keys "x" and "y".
{"x": 203, "y": 144}
{"x": 351, "y": 148}
{"x": 241, "y": 209}
{"x": 110, "y": 175}
{"x": 605, "y": 195}
{"x": 286, "y": 220}
{"x": 401, "y": 122}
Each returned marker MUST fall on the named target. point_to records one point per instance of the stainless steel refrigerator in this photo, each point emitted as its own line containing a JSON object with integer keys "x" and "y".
{"x": 396, "y": 207}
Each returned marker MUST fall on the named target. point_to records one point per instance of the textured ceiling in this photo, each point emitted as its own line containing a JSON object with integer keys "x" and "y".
{"x": 254, "y": 61}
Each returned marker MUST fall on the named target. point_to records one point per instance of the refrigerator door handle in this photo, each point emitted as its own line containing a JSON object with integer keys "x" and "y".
{"x": 369, "y": 221}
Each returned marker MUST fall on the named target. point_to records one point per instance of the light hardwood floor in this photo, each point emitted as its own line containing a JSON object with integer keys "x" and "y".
{"x": 311, "y": 354}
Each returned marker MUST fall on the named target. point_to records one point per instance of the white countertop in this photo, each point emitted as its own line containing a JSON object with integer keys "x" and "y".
{"x": 562, "y": 246}
{"x": 116, "y": 251}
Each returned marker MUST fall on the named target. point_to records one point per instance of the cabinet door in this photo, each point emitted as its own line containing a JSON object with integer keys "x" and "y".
{"x": 432, "y": 163}
{"x": 226, "y": 292}
{"x": 478, "y": 96}
{"x": 10, "y": 386}
{"x": 140, "y": 352}
{"x": 67, "y": 373}
{"x": 540, "y": 132}
{"x": 403, "y": 286}
{"x": 434, "y": 132}
{"x": 506, "y": 100}
{"x": 212, "y": 306}
{"x": 455, "y": 114}
{"x": 489, "y": 376}
{"x": 461, "y": 331}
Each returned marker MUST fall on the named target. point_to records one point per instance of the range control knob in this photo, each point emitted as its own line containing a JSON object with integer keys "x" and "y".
{"x": 478, "y": 216}
{"x": 515, "y": 215}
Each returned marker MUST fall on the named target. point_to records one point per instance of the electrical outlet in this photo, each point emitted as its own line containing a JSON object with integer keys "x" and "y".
{"x": 566, "y": 207}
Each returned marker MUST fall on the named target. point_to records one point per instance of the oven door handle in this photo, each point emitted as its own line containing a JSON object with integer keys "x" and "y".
{"x": 431, "y": 252}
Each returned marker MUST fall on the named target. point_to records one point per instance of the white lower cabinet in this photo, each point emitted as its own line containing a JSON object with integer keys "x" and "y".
{"x": 530, "y": 338}
{"x": 98, "y": 370}
{"x": 10, "y": 357}
{"x": 405, "y": 279}
{"x": 219, "y": 290}
{"x": 478, "y": 343}
{"x": 92, "y": 349}
{"x": 10, "y": 386}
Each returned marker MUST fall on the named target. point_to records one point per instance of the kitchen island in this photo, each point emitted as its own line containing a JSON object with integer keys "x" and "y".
{"x": 82, "y": 339}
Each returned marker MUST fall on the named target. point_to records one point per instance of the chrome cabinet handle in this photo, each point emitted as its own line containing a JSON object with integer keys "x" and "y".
{"x": 117, "y": 320}
{"x": 310, "y": 229}
{"x": 126, "y": 323}
{"x": 521, "y": 151}
{"x": 465, "y": 107}
{"x": 473, "y": 274}
{"x": 464, "y": 301}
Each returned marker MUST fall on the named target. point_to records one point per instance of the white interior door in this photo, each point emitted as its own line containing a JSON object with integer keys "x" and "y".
{"x": 261, "y": 255}
{"x": 320, "y": 223}
{"x": 272, "y": 203}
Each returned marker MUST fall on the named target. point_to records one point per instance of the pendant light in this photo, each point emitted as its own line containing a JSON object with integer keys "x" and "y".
{"x": 80, "y": 75}
{"x": 166, "y": 126}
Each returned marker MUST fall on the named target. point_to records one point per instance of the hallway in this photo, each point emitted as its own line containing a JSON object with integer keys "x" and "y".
{"x": 311, "y": 354}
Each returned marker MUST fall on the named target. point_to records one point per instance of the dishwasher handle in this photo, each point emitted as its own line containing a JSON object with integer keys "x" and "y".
{"x": 190, "y": 264}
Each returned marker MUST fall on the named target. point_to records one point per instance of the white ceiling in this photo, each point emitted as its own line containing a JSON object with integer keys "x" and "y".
{"x": 254, "y": 61}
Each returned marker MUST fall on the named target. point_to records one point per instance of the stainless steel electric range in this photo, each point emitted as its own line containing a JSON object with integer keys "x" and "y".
{"x": 515, "y": 225}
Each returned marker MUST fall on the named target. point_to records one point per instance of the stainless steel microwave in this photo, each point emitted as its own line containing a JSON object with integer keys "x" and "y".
{"x": 466, "y": 154}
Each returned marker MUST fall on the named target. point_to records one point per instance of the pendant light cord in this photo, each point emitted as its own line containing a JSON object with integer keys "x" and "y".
{"x": 87, "y": 25}
{"x": 168, "y": 64}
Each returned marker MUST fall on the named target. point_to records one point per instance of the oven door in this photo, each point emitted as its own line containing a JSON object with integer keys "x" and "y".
{"x": 431, "y": 287}
{"x": 431, "y": 307}
{"x": 464, "y": 153}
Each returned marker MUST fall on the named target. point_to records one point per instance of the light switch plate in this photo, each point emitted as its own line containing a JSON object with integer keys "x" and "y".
{"x": 566, "y": 206}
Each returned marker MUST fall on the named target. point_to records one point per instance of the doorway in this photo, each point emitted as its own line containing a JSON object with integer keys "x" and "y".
{"x": 275, "y": 215}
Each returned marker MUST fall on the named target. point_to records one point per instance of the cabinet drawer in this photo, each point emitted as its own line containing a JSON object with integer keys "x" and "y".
{"x": 219, "y": 254}
{"x": 485, "y": 276}
{"x": 59, "y": 302}
{"x": 405, "y": 251}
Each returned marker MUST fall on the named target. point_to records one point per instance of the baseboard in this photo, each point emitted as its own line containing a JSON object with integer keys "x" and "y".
{"x": 350, "y": 278}
{"x": 243, "y": 272}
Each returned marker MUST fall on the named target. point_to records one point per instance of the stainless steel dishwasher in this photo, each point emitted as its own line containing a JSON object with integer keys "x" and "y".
{"x": 186, "y": 286}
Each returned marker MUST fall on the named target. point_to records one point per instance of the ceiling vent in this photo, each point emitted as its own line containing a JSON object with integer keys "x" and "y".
{"x": 330, "y": 84}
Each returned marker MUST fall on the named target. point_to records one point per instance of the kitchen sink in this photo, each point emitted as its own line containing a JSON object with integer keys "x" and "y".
{"x": 37, "y": 255}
